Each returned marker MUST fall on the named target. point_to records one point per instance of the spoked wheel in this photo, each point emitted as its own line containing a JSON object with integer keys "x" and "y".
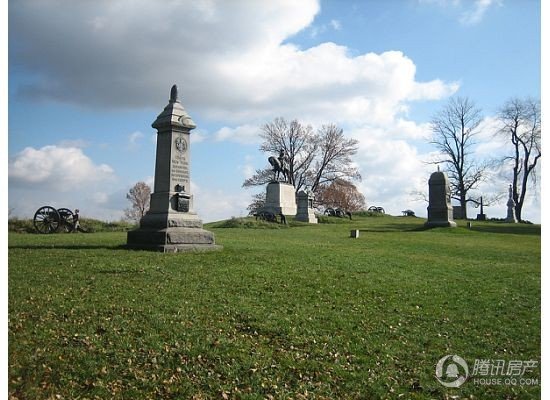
{"x": 340, "y": 213}
{"x": 66, "y": 219}
{"x": 330, "y": 211}
{"x": 46, "y": 220}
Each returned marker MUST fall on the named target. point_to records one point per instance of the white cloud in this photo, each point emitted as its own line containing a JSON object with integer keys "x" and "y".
{"x": 214, "y": 204}
{"x": 247, "y": 168}
{"x": 336, "y": 25}
{"x": 391, "y": 169}
{"x": 56, "y": 168}
{"x": 244, "y": 134}
{"x": 133, "y": 140}
{"x": 134, "y": 137}
{"x": 470, "y": 12}
{"x": 149, "y": 47}
{"x": 490, "y": 145}
{"x": 475, "y": 15}
{"x": 232, "y": 62}
{"x": 198, "y": 136}
{"x": 100, "y": 197}
{"x": 316, "y": 30}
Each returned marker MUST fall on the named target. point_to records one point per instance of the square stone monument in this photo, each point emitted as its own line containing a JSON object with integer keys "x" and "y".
{"x": 171, "y": 223}
{"x": 280, "y": 199}
{"x": 305, "y": 208}
{"x": 440, "y": 211}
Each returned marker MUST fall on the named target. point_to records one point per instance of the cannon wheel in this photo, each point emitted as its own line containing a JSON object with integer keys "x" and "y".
{"x": 46, "y": 220}
{"x": 66, "y": 219}
{"x": 381, "y": 210}
{"x": 373, "y": 208}
{"x": 340, "y": 213}
{"x": 330, "y": 211}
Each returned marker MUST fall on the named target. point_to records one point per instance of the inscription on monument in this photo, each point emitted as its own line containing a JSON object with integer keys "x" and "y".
{"x": 180, "y": 169}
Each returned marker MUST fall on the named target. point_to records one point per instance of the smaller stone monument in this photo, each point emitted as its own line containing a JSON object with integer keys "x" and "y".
{"x": 458, "y": 212}
{"x": 511, "y": 204}
{"x": 440, "y": 211}
{"x": 481, "y": 216}
{"x": 305, "y": 207}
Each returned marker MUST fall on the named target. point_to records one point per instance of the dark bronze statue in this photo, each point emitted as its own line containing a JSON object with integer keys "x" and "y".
{"x": 279, "y": 165}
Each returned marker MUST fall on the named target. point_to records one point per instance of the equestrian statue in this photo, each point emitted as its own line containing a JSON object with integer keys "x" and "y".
{"x": 280, "y": 165}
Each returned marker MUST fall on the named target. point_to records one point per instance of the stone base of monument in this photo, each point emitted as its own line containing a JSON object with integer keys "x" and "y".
{"x": 310, "y": 218}
{"x": 280, "y": 199}
{"x": 440, "y": 217}
{"x": 481, "y": 217}
{"x": 171, "y": 232}
{"x": 440, "y": 224}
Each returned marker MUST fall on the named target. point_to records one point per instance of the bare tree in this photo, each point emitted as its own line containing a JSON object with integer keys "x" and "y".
{"x": 258, "y": 201}
{"x": 140, "y": 198}
{"x": 521, "y": 121}
{"x": 314, "y": 158}
{"x": 340, "y": 194}
{"x": 454, "y": 129}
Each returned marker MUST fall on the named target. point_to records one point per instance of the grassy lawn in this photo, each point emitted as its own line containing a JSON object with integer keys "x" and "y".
{"x": 298, "y": 312}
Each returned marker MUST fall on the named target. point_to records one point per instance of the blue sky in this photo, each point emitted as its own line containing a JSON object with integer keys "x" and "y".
{"x": 87, "y": 79}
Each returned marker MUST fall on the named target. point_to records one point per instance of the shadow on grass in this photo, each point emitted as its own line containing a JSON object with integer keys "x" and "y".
{"x": 516, "y": 229}
{"x": 397, "y": 228}
{"x": 67, "y": 247}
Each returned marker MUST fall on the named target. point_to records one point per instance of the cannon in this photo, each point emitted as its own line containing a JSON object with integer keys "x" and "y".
{"x": 49, "y": 220}
{"x": 377, "y": 209}
{"x": 266, "y": 216}
{"x": 337, "y": 212}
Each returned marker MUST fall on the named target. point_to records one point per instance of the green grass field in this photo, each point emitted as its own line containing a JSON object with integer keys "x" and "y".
{"x": 303, "y": 312}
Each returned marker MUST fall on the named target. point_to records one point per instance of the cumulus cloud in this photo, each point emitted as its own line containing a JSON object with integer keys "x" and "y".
{"x": 215, "y": 204}
{"x": 244, "y": 134}
{"x": 120, "y": 53}
{"x": 56, "y": 168}
{"x": 392, "y": 169}
{"x": 230, "y": 59}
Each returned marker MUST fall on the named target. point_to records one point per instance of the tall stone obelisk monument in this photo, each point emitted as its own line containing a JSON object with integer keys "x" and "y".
{"x": 171, "y": 223}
